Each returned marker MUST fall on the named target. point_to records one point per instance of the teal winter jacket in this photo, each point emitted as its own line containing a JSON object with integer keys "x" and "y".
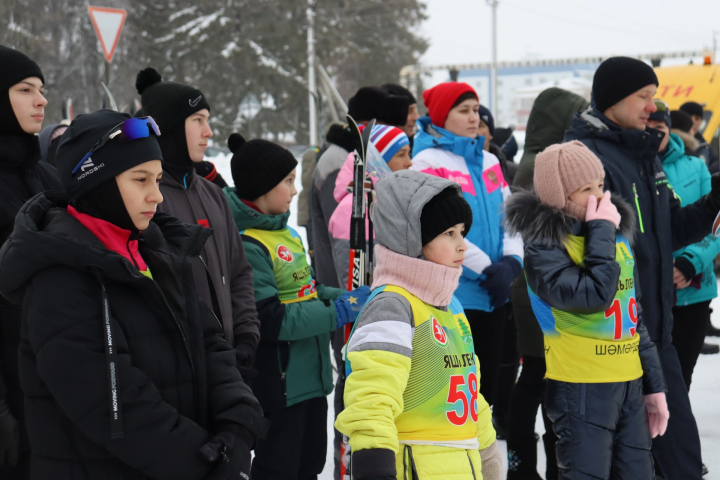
{"x": 690, "y": 179}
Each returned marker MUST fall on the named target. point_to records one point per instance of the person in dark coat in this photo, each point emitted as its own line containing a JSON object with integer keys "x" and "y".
{"x": 125, "y": 373}
{"x": 615, "y": 130}
{"x": 224, "y": 277}
{"x": 22, "y": 175}
{"x": 606, "y": 391}
{"x": 549, "y": 118}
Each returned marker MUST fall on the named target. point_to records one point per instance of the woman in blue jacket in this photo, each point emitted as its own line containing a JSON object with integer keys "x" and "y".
{"x": 448, "y": 146}
{"x": 694, "y": 273}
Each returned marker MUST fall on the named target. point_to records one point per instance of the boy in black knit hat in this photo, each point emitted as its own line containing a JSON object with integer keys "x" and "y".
{"x": 223, "y": 278}
{"x": 22, "y": 106}
{"x": 296, "y": 313}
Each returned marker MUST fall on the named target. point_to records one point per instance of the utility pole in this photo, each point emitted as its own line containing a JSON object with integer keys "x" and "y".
{"x": 493, "y": 70}
{"x": 311, "y": 74}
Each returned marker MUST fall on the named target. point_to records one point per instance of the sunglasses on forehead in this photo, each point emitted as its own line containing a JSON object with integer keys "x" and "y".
{"x": 131, "y": 129}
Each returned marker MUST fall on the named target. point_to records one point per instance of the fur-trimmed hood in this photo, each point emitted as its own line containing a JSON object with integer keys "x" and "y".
{"x": 690, "y": 142}
{"x": 534, "y": 221}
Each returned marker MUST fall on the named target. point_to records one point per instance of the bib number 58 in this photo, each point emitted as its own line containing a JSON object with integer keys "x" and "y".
{"x": 467, "y": 405}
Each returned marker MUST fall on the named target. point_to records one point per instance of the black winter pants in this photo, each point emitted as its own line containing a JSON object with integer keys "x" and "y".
{"x": 602, "y": 430}
{"x": 689, "y": 327}
{"x": 677, "y": 453}
{"x": 487, "y": 331}
{"x": 296, "y": 445}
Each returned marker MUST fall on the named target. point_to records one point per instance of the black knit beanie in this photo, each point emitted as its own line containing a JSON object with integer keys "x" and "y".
{"x": 258, "y": 166}
{"x": 16, "y": 66}
{"x": 108, "y": 161}
{"x": 378, "y": 103}
{"x": 396, "y": 89}
{"x": 169, "y": 103}
{"x": 618, "y": 77}
{"x": 692, "y": 108}
{"x": 444, "y": 210}
{"x": 341, "y": 136}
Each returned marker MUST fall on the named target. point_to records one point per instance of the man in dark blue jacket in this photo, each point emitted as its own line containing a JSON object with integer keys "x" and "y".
{"x": 616, "y": 131}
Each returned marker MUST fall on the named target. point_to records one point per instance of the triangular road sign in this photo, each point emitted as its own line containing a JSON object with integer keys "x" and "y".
{"x": 108, "y": 23}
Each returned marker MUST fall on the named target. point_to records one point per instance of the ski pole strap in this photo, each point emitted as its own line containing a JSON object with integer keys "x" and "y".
{"x": 111, "y": 361}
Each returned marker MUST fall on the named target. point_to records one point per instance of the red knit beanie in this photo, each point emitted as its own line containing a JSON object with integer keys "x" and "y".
{"x": 440, "y": 99}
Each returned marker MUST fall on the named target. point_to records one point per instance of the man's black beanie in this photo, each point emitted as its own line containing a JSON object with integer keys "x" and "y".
{"x": 444, "y": 210}
{"x": 692, "y": 108}
{"x": 16, "y": 67}
{"x": 258, "y": 165}
{"x": 378, "y": 103}
{"x": 108, "y": 161}
{"x": 169, "y": 103}
{"x": 618, "y": 77}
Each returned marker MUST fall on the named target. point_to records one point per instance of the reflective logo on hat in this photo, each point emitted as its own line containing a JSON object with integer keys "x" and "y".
{"x": 88, "y": 164}
{"x": 193, "y": 103}
{"x": 284, "y": 253}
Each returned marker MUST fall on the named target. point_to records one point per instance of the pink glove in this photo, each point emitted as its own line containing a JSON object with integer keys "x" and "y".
{"x": 658, "y": 413}
{"x": 605, "y": 211}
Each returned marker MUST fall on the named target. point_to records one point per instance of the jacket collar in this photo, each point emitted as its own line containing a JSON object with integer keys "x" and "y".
{"x": 535, "y": 221}
{"x": 19, "y": 152}
{"x": 593, "y": 124}
{"x": 187, "y": 183}
{"x": 675, "y": 151}
{"x": 45, "y": 235}
{"x": 247, "y": 217}
{"x": 114, "y": 238}
{"x": 432, "y": 136}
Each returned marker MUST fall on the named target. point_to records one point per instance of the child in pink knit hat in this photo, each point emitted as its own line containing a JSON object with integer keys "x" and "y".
{"x": 412, "y": 401}
{"x": 605, "y": 391}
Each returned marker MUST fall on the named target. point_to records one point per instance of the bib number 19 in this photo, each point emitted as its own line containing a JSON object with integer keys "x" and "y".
{"x": 615, "y": 311}
{"x": 467, "y": 405}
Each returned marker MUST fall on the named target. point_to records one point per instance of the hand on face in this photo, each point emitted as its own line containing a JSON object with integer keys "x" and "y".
{"x": 662, "y": 126}
{"x": 140, "y": 191}
{"x": 197, "y": 134}
{"x": 277, "y": 201}
{"x": 605, "y": 210}
{"x": 448, "y": 248}
{"x": 28, "y": 102}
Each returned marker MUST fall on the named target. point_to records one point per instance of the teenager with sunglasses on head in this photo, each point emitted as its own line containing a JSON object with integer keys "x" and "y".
{"x": 224, "y": 278}
{"x": 125, "y": 372}
{"x": 22, "y": 107}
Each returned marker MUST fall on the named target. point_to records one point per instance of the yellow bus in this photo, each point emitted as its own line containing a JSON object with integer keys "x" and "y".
{"x": 694, "y": 83}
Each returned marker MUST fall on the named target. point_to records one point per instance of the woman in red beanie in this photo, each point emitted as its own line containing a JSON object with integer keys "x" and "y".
{"x": 448, "y": 146}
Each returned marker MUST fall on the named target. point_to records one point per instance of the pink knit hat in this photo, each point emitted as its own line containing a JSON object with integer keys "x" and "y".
{"x": 560, "y": 170}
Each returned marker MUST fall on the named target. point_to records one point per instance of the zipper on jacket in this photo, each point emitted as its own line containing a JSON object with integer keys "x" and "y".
{"x": 472, "y": 469}
{"x": 177, "y": 323}
{"x": 637, "y": 206}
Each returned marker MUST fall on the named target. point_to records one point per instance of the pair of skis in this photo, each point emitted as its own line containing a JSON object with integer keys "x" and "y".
{"x": 361, "y": 251}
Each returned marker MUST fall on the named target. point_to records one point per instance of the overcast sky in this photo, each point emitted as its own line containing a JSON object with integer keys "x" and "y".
{"x": 460, "y": 30}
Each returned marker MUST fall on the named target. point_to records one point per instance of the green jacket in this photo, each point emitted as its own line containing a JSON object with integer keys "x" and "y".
{"x": 296, "y": 314}
{"x": 690, "y": 179}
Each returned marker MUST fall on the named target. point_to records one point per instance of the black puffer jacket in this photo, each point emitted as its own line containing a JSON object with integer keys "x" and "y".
{"x": 634, "y": 171}
{"x": 176, "y": 375}
{"x": 22, "y": 175}
{"x": 568, "y": 287}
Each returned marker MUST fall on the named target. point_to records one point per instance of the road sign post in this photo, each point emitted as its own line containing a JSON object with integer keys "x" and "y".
{"x": 108, "y": 23}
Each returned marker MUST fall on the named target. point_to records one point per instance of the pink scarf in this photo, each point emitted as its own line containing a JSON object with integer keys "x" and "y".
{"x": 431, "y": 282}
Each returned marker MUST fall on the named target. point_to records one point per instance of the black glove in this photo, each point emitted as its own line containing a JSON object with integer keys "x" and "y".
{"x": 230, "y": 449}
{"x": 499, "y": 278}
{"x": 686, "y": 267}
{"x": 9, "y": 436}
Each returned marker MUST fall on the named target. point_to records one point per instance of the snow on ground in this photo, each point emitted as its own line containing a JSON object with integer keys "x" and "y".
{"x": 704, "y": 394}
